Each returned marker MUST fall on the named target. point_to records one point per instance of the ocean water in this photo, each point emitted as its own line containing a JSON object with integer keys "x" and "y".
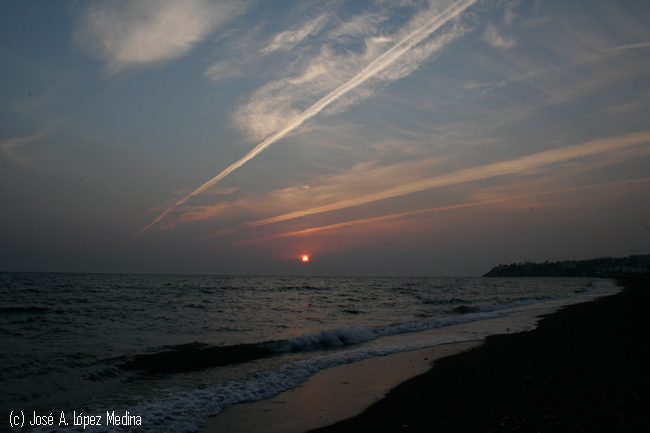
{"x": 173, "y": 350}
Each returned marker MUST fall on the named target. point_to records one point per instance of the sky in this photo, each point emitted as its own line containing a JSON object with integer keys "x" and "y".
{"x": 379, "y": 138}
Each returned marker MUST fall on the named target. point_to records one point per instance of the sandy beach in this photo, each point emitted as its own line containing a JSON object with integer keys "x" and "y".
{"x": 335, "y": 399}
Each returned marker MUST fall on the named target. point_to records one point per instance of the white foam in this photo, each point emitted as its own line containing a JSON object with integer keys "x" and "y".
{"x": 358, "y": 334}
{"x": 327, "y": 338}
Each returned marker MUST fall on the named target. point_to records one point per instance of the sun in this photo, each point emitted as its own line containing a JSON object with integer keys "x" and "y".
{"x": 305, "y": 258}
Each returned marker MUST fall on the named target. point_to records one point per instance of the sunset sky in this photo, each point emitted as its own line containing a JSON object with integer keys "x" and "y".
{"x": 389, "y": 138}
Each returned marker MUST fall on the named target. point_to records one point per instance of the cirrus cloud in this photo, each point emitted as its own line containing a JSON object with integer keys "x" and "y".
{"x": 496, "y": 39}
{"x": 126, "y": 34}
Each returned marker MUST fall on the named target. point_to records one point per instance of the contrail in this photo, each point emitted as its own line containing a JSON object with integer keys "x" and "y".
{"x": 376, "y": 66}
{"x": 450, "y": 207}
{"x": 433, "y": 209}
{"x": 513, "y": 166}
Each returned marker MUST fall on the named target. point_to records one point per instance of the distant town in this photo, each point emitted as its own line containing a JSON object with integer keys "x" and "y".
{"x": 601, "y": 267}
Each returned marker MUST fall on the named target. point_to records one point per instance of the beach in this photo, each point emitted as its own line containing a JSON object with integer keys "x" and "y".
{"x": 496, "y": 383}
{"x": 332, "y": 394}
{"x": 584, "y": 368}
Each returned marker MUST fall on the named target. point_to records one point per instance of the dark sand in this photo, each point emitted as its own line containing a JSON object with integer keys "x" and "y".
{"x": 585, "y": 368}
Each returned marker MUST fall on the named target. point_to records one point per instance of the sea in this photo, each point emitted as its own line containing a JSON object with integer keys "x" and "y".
{"x": 150, "y": 353}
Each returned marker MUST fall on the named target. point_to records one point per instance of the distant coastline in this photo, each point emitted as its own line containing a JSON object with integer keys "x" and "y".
{"x": 600, "y": 267}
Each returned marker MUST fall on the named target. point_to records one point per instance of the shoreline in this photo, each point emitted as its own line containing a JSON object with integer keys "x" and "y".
{"x": 332, "y": 394}
{"x": 584, "y": 368}
{"x": 338, "y": 393}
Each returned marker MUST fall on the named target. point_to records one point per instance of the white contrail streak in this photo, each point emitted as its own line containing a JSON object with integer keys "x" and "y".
{"x": 376, "y": 66}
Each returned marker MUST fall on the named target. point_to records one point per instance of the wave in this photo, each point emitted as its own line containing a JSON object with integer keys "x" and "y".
{"x": 186, "y": 410}
{"x": 198, "y": 356}
{"x": 324, "y": 339}
{"x": 195, "y": 356}
{"x": 464, "y": 309}
{"x": 31, "y": 309}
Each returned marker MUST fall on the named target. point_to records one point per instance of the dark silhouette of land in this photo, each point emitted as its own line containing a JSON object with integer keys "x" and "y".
{"x": 601, "y": 267}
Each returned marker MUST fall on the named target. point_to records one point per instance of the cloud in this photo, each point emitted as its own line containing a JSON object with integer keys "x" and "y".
{"x": 311, "y": 231}
{"x": 288, "y": 39}
{"x": 496, "y": 40}
{"x": 361, "y": 26}
{"x": 629, "y": 46}
{"x": 363, "y": 182}
{"x": 519, "y": 165}
{"x": 126, "y": 34}
{"x": 379, "y": 67}
{"x": 362, "y": 178}
{"x": 311, "y": 77}
{"x": 509, "y": 14}
{"x": 11, "y": 146}
{"x": 478, "y": 202}
{"x": 248, "y": 52}
{"x": 567, "y": 93}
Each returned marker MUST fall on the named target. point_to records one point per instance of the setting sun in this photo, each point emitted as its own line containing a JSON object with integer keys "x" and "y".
{"x": 305, "y": 258}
